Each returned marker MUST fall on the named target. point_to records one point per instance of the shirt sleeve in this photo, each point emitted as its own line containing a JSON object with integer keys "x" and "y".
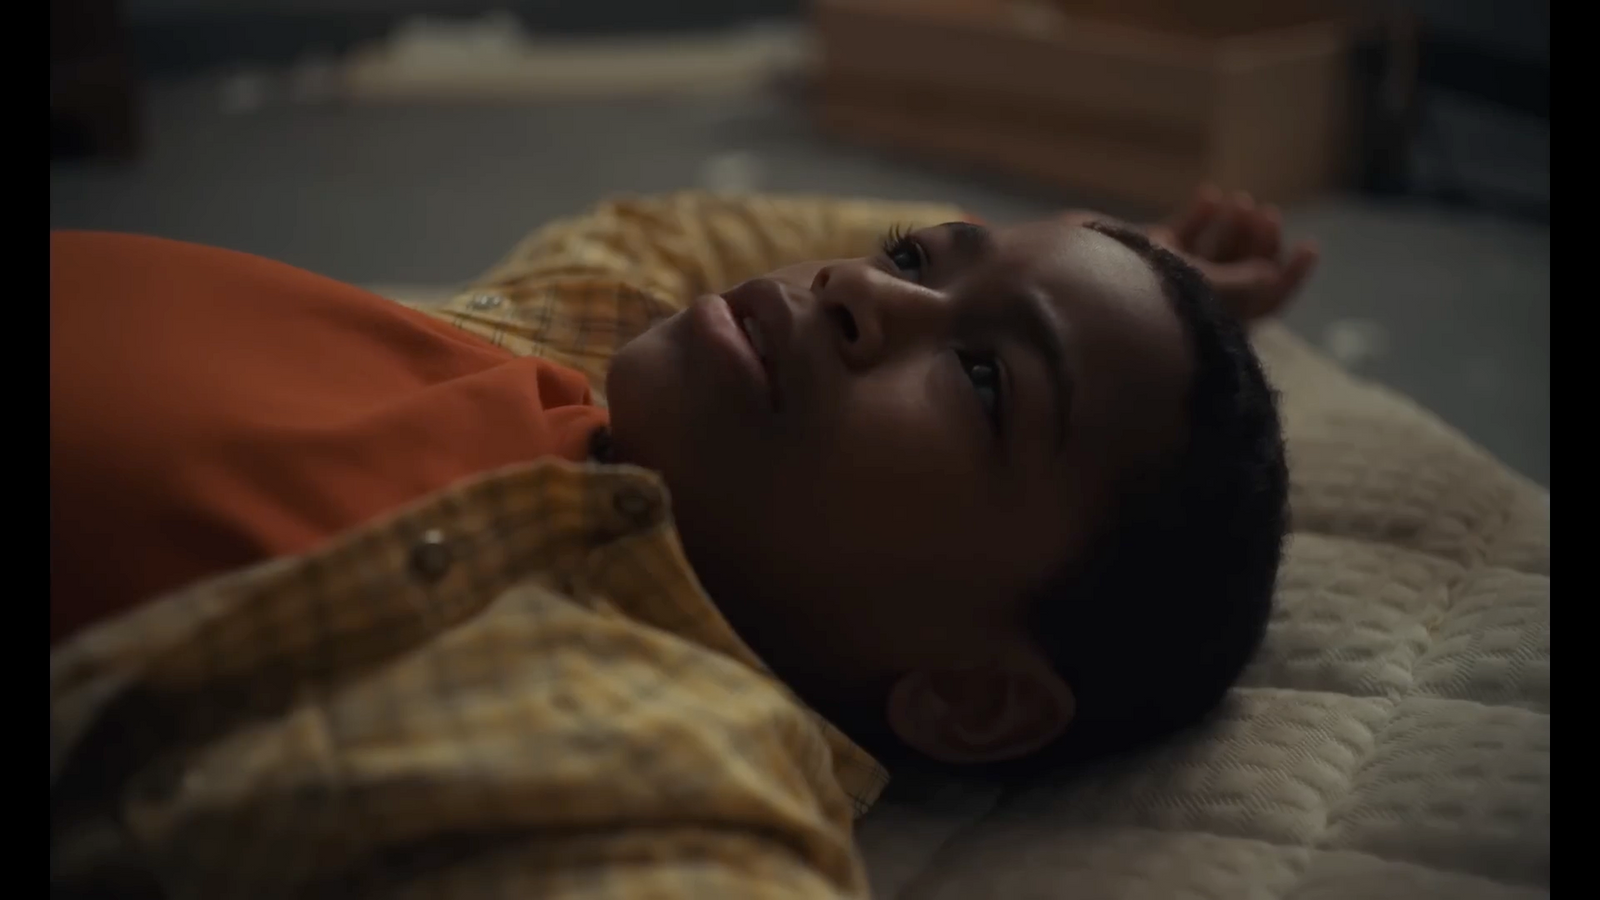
{"x": 542, "y": 748}
{"x": 578, "y": 289}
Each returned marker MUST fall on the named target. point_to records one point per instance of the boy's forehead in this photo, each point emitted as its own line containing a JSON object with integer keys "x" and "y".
{"x": 1126, "y": 337}
{"x": 1073, "y": 262}
{"x": 1051, "y": 236}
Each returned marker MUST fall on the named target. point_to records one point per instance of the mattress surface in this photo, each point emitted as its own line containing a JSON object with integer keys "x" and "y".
{"x": 1391, "y": 740}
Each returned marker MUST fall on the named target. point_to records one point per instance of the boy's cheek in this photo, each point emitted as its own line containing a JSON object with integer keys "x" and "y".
{"x": 886, "y": 468}
{"x": 900, "y": 418}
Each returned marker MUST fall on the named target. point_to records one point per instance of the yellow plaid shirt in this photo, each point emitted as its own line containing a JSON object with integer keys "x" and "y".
{"x": 516, "y": 687}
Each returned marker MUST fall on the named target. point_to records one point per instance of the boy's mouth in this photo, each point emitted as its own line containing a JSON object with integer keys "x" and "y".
{"x": 751, "y": 329}
{"x": 752, "y": 333}
{"x": 766, "y": 321}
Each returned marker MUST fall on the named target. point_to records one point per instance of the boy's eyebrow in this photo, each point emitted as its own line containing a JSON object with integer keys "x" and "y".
{"x": 1032, "y": 319}
{"x": 1034, "y": 322}
{"x": 969, "y": 239}
{"x": 1028, "y": 316}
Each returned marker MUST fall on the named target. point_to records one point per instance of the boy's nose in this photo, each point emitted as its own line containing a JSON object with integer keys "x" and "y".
{"x": 868, "y": 309}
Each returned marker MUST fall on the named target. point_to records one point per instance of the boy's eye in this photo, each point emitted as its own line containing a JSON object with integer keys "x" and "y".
{"x": 983, "y": 370}
{"x": 905, "y": 253}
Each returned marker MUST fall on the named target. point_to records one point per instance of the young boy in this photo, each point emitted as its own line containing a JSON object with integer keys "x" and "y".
{"x": 979, "y": 496}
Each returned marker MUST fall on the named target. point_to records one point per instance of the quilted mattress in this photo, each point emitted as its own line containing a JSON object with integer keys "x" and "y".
{"x": 1391, "y": 740}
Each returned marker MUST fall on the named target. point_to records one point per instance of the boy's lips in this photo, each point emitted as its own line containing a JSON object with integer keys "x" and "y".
{"x": 766, "y": 321}
{"x": 748, "y": 334}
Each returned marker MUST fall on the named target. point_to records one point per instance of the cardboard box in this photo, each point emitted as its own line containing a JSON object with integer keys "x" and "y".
{"x": 1133, "y": 101}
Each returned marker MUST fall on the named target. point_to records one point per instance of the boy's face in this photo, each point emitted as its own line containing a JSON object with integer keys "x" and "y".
{"x": 910, "y": 444}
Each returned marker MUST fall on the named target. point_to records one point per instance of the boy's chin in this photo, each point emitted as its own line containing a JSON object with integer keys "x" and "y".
{"x": 669, "y": 388}
{"x": 656, "y": 421}
{"x": 641, "y": 391}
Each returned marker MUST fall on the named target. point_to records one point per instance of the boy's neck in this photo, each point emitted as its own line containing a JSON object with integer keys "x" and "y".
{"x": 850, "y": 708}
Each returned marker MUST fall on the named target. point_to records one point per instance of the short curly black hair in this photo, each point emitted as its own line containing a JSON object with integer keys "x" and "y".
{"x": 1161, "y": 616}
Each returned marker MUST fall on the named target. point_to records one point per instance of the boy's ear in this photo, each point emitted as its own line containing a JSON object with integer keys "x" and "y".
{"x": 1001, "y": 707}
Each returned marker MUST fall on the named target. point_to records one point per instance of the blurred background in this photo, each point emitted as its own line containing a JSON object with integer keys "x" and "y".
{"x": 406, "y": 144}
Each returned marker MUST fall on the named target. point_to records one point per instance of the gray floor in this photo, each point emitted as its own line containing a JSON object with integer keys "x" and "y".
{"x": 1452, "y": 309}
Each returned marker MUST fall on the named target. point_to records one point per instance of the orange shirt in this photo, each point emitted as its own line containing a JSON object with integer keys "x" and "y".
{"x": 211, "y": 409}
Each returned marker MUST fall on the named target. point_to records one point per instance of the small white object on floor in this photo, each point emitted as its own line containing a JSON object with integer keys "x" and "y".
{"x": 429, "y": 43}
{"x": 494, "y": 59}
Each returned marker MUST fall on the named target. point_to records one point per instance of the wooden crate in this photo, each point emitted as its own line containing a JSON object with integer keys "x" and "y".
{"x": 1133, "y": 101}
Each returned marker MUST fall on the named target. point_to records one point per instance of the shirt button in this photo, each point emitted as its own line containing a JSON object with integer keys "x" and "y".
{"x": 487, "y": 301}
{"x": 635, "y": 505}
{"x": 431, "y": 557}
